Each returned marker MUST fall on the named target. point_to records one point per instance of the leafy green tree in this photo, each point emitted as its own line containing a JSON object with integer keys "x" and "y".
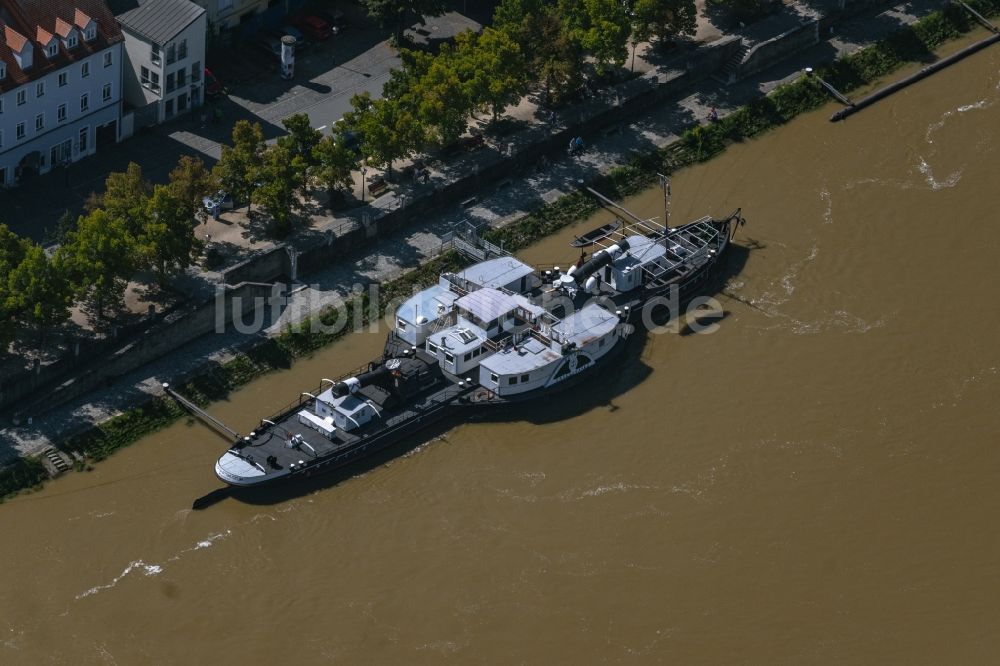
{"x": 12, "y": 251}
{"x": 280, "y": 177}
{"x": 333, "y": 163}
{"x": 664, "y": 19}
{"x": 441, "y": 99}
{"x": 602, "y": 28}
{"x": 125, "y": 196}
{"x": 167, "y": 242}
{"x": 100, "y": 257}
{"x": 191, "y": 182}
{"x": 389, "y": 131}
{"x": 302, "y": 138}
{"x": 39, "y": 290}
{"x": 399, "y": 13}
{"x": 495, "y": 68}
{"x": 239, "y": 166}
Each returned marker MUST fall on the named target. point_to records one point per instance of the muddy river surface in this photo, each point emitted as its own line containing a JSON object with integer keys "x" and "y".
{"x": 815, "y": 482}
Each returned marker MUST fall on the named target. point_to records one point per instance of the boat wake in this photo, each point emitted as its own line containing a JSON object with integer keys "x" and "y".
{"x": 935, "y": 184}
{"x": 135, "y": 565}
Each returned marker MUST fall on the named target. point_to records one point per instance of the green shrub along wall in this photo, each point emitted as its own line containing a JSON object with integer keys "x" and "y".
{"x": 697, "y": 144}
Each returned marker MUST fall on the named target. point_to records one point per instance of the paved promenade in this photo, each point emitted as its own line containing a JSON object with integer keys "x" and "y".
{"x": 422, "y": 239}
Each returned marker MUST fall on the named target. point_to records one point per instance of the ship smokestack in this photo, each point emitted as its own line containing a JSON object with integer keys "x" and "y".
{"x": 355, "y": 384}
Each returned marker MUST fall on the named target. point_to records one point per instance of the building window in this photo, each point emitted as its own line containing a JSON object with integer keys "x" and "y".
{"x": 1, "y": 104}
{"x": 182, "y": 103}
{"x": 1, "y": 143}
{"x": 85, "y": 70}
{"x": 144, "y": 77}
{"x": 106, "y": 94}
{"x": 40, "y": 89}
{"x": 91, "y": 33}
{"x": 84, "y": 134}
{"x": 169, "y": 110}
{"x": 107, "y": 58}
{"x": 511, "y": 381}
{"x": 171, "y": 54}
{"x": 3, "y": 71}
{"x": 85, "y": 101}
{"x": 449, "y": 358}
{"x": 181, "y": 77}
{"x": 154, "y": 54}
{"x": 182, "y": 50}
{"x": 20, "y": 97}
{"x": 154, "y": 82}
{"x": 19, "y": 132}
{"x": 71, "y": 41}
{"x": 53, "y": 50}
{"x": 63, "y": 79}
{"x": 170, "y": 82}
{"x": 467, "y": 357}
{"x": 61, "y": 113}
{"x": 39, "y": 122}
{"x": 196, "y": 72}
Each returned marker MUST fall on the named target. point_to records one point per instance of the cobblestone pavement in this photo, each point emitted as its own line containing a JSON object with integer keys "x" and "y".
{"x": 421, "y": 240}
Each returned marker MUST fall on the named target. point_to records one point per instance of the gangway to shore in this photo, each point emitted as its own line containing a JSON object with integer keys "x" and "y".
{"x": 209, "y": 420}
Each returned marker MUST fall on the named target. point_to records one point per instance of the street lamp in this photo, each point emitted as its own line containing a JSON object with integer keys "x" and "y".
{"x": 364, "y": 170}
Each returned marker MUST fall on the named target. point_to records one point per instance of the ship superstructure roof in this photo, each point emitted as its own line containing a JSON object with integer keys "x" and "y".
{"x": 525, "y": 357}
{"x": 487, "y": 304}
{"x": 430, "y": 303}
{"x": 590, "y": 323}
{"x": 496, "y": 272}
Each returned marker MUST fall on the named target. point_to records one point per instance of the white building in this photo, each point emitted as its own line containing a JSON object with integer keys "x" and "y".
{"x": 165, "y": 46}
{"x": 60, "y": 83}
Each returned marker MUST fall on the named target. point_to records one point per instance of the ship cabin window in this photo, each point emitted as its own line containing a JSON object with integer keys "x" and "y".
{"x": 477, "y": 351}
{"x": 524, "y": 378}
{"x": 432, "y": 348}
{"x": 401, "y": 325}
{"x": 512, "y": 380}
{"x": 468, "y": 356}
{"x": 449, "y": 357}
{"x": 494, "y": 378}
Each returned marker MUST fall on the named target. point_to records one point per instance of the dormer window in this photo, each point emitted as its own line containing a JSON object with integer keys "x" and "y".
{"x": 86, "y": 24}
{"x": 90, "y": 34}
{"x": 3, "y": 71}
{"x": 52, "y": 50}
{"x": 71, "y": 41}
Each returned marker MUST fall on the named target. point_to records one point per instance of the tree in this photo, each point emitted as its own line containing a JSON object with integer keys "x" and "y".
{"x": 167, "y": 242}
{"x": 100, "y": 257}
{"x": 280, "y": 177}
{"x": 333, "y": 163}
{"x": 388, "y": 130}
{"x": 602, "y": 28}
{"x": 302, "y": 138}
{"x": 440, "y": 99}
{"x": 238, "y": 168}
{"x": 191, "y": 182}
{"x": 12, "y": 251}
{"x": 125, "y": 196}
{"x": 496, "y": 69}
{"x": 663, "y": 18}
{"x": 39, "y": 290}
{"x": 398, "y": 13}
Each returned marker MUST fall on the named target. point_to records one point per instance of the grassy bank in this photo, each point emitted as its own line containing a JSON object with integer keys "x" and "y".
{"x": 697, "y": 144}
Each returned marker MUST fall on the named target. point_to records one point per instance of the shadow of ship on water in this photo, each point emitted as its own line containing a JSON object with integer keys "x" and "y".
{"x": 628, "y": 371}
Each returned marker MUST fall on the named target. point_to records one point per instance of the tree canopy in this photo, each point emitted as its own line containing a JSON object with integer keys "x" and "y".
{"x": 239, "y": 166}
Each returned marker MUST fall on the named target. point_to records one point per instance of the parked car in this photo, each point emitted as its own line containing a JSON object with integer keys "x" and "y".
{"x": 269, "y": 43}
{"x": 213, "y": 87}
{"x": 335, "y": 19}
{"x": 314, "y": 27}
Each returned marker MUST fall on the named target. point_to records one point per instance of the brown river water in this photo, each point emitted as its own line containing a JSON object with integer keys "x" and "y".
{"x": 815, "y": 482}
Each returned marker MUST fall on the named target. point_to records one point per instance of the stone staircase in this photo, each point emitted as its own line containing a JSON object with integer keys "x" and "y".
{"x": 730, "y": 71}
{"x": 55, "y": 462}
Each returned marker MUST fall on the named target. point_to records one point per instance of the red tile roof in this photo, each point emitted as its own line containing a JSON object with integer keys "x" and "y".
{"x": 14, "y": 39}
{"x": 40, "y": 18}
{"x": 63, "y": 28}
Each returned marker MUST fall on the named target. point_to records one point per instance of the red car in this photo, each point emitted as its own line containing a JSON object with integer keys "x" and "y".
{"x": 314, "y": 27}
{"x": 212, "y": 85}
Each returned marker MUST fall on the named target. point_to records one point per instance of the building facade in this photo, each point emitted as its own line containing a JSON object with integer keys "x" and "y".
{"x": 60, "y": 84}
{"x": 165, "y": 48}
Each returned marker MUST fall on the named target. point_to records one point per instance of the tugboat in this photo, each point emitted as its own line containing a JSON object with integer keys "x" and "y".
{"x": 497, "y": 333}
